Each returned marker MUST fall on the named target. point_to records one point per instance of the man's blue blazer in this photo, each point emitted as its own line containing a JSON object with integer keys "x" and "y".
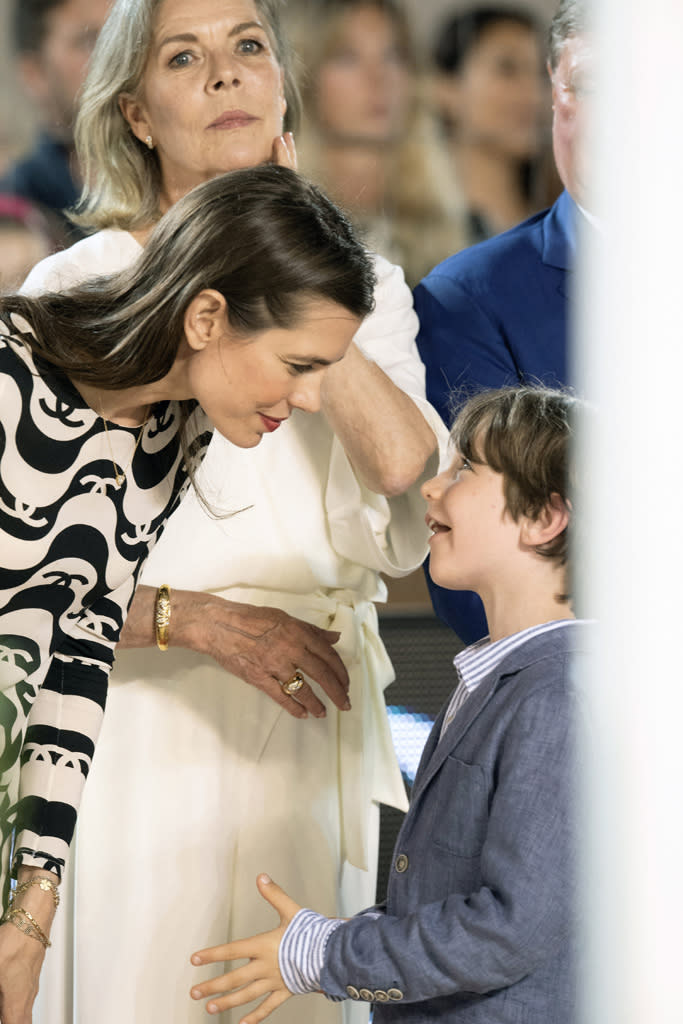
{"x": 492, "y": 315}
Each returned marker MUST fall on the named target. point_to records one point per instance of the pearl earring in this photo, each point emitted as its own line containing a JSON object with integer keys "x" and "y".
{"x": 150, "y": 142}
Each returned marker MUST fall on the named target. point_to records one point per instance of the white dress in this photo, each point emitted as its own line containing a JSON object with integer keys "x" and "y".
{"x": 200, "y": 781}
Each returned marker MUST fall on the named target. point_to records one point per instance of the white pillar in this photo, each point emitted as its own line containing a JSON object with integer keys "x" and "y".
{"x": 630, "y": 345}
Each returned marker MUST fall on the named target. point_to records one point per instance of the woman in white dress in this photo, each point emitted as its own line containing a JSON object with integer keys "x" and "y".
{"x": 196, "y": 765}
{"x": 107, "y": 395}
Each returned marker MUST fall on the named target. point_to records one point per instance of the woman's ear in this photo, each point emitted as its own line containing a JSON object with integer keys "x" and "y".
{"x": 134, "y": 113}
{"x": 206, "y": 319}
{"x": 548, "y": 524}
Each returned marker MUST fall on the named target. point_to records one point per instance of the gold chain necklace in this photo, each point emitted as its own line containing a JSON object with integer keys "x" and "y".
{"x": 120, "y": 472}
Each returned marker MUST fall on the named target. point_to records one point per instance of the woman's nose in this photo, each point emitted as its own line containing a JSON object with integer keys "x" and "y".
{"x": 306, "y": 395}
{"x": 223, "y": 71}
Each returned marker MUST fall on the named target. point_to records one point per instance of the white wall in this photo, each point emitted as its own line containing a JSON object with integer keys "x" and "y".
{"x": 630, "y": 333}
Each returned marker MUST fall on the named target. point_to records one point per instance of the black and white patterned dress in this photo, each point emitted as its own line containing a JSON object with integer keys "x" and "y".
{"x": 72, "y": 545}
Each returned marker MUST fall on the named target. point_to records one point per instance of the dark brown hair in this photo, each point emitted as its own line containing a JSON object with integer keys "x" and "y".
{"x": 525, "y": 433}
{"x": 263, "y": 237}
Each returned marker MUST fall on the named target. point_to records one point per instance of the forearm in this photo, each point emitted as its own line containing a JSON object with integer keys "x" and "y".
{"x": 192, "y": 613}
{"x": 57, "y": 752}
{"x": 261, "y": 645}
{"x": 383, "y": 432}
{"x": 193, "y": 624}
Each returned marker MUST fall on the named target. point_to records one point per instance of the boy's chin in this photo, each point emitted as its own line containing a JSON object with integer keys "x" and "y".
{"x": 445, "y": 580}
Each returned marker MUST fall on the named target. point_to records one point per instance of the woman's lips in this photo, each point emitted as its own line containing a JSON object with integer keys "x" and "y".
{"x": 269, "y": 423}
{"x": 233, "y": 119}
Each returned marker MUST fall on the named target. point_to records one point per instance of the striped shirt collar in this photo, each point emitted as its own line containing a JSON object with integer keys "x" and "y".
{"x": 478, "y": 660}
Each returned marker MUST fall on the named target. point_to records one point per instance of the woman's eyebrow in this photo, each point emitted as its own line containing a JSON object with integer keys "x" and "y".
{"x": 190, "y": 37}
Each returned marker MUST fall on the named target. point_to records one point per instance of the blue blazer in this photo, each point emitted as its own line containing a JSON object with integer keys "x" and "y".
{"x": 492, "y": 315}
{"x": 478, "y": 926}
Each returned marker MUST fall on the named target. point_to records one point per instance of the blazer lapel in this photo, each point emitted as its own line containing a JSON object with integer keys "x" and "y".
{"x": 559, "y": 237}
{"x": 570, "y": 639}
{"x": 436, "y": 751}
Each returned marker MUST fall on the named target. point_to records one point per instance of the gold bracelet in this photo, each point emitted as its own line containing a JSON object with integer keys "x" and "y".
{"x": 29, "y": 927}
{"x": 46, "y": 884}
{"x": 162, "y": 616}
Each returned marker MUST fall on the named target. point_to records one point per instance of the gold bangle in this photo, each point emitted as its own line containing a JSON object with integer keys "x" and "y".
{"x": 46, "y": 884}
{"x": 29, "y": 927}
{"x": 162, "y": 616}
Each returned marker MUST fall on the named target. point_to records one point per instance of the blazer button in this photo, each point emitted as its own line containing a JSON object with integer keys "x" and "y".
{"x": 352, "y": 992}
{"x": 367, "y": 995}
{"x": 381, "y": 997}
{"x": 401, "y": 863}
{"x": 395, "y": 994}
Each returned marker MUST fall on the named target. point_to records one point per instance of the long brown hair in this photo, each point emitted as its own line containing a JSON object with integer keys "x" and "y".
{"x": 264, "y": 237}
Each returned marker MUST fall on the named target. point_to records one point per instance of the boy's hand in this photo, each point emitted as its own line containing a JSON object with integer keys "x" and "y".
{"x": 261, "y": 976}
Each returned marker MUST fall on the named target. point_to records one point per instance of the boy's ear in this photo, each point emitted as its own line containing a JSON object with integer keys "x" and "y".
{"x": 206, "y": 319}
{"x": 550, "y": 522}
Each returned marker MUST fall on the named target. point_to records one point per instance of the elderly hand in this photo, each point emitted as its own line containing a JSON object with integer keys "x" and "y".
{"x": 261, "y": 976}
{"x": 264, "y": 647}
{"x": 284, "y": 151}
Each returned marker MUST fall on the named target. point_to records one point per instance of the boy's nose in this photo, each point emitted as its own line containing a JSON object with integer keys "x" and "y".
{"x": 430, "y": 489}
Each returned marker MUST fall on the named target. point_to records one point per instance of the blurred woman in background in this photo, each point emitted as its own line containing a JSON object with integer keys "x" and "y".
{"x": 489, "y": 90}
{"x": 367, "y": 137}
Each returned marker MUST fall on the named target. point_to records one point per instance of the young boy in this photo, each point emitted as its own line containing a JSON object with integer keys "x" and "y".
{"x": 477, "y": 927}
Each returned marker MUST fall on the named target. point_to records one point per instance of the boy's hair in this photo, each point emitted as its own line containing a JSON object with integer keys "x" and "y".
{"x": 525, "y": 434}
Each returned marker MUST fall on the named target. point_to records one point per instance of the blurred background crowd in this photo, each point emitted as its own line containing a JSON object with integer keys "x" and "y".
{"x": 427, "y": 119}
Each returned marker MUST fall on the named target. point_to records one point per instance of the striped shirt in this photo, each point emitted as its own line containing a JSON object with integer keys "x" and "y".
{"x": 301, "y": 955}
{"x": 478, "y": 660}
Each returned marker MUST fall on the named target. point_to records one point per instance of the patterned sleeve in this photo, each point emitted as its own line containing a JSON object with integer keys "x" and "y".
{"x": 73, "y": 541}
{"x": 62, "y": 725}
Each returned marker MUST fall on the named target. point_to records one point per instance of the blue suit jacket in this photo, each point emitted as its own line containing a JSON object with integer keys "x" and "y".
{"x": 478, "y": 926}
{"x": 492, "y": 315}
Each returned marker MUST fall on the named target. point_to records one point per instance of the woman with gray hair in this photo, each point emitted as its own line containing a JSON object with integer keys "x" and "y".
{"x": 192, "y": 761}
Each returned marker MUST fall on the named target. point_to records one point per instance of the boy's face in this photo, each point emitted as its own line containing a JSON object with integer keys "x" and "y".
{"x": 474, "y": 539}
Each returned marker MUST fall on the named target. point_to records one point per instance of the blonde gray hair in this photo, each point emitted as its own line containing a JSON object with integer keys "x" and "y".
{"x": 122, "y": 177}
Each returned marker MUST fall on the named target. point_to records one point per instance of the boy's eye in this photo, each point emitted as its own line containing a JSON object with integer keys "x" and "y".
{"x": 300, "y": 367}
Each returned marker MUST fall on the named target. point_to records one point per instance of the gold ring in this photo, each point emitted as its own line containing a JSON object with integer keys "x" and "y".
{"x": 293, "y": 684}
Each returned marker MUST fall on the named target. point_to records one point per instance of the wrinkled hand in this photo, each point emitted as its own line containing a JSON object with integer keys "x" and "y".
{"x": 261, "y": 976}
{"x": 21, "y": 959}
{"x": 264, "y": 647}
{"x": 284, "y": 151}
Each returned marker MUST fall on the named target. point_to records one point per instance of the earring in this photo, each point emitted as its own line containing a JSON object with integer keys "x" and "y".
{"x": 150, "y": 142}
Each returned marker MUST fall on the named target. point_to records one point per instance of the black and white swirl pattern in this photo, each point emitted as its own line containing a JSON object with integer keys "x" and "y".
{"x": 72, "y": 545}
